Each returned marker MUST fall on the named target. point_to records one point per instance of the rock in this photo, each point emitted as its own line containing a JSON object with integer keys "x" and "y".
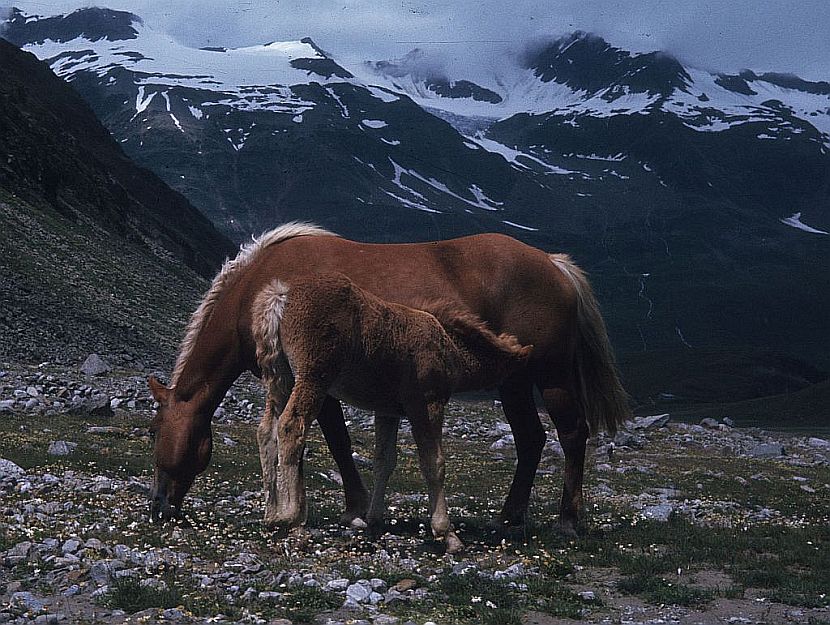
{"x": 96, "y": 406}
{"x": 105, "y": 429}
{"x": 7, "y": 405}
{"x": 652, "y": 422}
{"x": 710, "y": 423}
{"x": 385, "y": 619}
{"x": 504, "y": 442}
{"x": 61, "y": 448}
{"x": 9, "y": 469}
{"x": 71, "y": 545}
{"x": 100, "y": 573}
{"x": 32, "y": 391}
{"x": 818, "y": 442}
{"x": 512, "y": 572}
{"x": 359, "y": 592}
{"x": 729, "y": 422}
{"x": 337, "y": 584}
{"x": 660, "y": 512}
{"x": 95, "y": 365}
{"x": 627, "y": 439}
{"x": 405, "y": 584}
{"x": 588, "y": 595}
{"x": 28, "y": 601}
{"x": 172, "y": 614}
{"x": 767, "y": 450}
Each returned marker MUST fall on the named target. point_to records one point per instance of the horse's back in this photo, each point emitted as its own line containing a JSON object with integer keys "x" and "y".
{"x": 512, "y": 286}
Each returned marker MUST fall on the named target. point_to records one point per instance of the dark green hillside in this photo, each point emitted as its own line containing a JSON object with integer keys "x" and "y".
{"x": 96, "y": 254}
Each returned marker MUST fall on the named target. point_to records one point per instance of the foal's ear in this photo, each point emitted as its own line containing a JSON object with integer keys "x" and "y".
{"x": 159, "y": 391}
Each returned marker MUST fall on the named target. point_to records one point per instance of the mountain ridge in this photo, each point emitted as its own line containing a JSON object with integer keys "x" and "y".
{"x": 697, "y": 201}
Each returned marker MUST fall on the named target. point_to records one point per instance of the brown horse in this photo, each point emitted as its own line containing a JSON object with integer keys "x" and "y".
{"x": 325, "y": 336}
{"x": 543, "y": 300}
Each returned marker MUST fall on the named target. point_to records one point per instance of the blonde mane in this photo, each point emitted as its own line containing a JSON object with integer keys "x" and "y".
{"x": 228, "y": 274}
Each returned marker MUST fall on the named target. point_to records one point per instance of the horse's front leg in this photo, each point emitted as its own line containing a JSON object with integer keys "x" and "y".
{"x": 340, "y": 445}
{"x": 383, "y": 464}
{"x": 287, "y": 504}
{"x": 426, "y": 430}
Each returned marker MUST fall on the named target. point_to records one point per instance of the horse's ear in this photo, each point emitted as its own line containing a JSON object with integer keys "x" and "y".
{"x": 159, "y": 391}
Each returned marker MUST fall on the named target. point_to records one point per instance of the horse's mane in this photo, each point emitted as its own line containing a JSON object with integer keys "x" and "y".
{"x": 228, "y": 274}
{"x": 468, "y": 326}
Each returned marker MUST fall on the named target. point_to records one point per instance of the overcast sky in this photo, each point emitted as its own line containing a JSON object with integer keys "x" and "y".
{"x": 725, "y": 35}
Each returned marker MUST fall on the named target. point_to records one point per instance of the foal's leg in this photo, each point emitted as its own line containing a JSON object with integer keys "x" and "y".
{"x": 520, "y": 411}
{"x": 386, "y": 457}
{"x": 266, "y": 435}
{"x": 340, "y": 445}
{"x": 426, "y": 430}
{"x": 573, "y": 435}
{"x": 288, "y": 507}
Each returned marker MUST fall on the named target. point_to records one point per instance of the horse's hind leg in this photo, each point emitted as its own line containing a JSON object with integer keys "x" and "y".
{"x": 287, "y": 507}
{"x": 520, "y": 411}
{"x": 340, "y": 445}
{"x": 275, "y": 399}
{"x": 573, "y": 436}
{"x": 386, "y": 457}
{"x": 426, "y": 430}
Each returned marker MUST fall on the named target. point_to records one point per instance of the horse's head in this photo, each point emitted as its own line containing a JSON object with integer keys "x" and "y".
{"x": 182, "y": 449}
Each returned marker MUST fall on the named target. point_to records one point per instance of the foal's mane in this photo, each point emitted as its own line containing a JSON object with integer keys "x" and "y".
{"x": 228, "y": 275}
{"x": 470, "y": 327}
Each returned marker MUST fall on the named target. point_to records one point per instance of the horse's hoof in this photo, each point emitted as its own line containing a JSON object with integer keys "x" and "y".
{"x": 348, "y": 518}
{"x": 567, "y": 527}
{"x": 504, "y": 522}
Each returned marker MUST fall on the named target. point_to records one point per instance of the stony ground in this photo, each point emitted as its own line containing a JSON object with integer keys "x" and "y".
{"x": 686, "y": 523}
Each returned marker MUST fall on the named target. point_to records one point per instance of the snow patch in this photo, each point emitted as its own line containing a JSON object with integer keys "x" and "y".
{"x": 141, "y": 103}
{"x": 197, "y": 113}
{"x": 795, "y": 222}
{"x": 374, "y": 123}
{"x": 520, "y": 226}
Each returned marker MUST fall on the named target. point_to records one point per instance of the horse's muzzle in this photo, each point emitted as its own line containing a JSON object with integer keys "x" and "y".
{"x": 161, "y": 509}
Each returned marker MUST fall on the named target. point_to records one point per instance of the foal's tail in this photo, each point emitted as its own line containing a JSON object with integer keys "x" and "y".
{"x": 266, "y": 316}
{"x": 600, "y": 395}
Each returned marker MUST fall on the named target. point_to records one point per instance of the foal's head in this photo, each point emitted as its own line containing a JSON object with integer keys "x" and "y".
{"x": 182, "y": 449}
{"x": 490, "y": 357}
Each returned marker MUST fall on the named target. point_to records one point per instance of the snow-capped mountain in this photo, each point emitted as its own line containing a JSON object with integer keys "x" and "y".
{"x": 699, "y": 201}
{"x": 582, "y": 74}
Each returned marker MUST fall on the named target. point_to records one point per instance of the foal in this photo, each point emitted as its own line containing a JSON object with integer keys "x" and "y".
{"x": 326, "y": 336}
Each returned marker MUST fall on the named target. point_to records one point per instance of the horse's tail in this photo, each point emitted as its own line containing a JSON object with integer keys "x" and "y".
{"x": 600, "y": 396}
{"x": 267, "y": 312}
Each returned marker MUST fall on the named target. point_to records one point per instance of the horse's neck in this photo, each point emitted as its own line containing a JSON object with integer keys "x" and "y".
{"x": 209, "y": 371}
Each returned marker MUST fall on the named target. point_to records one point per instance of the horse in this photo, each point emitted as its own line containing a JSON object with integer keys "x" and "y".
{"x": 324, "y": 336}
{"x": 542, "y": 299}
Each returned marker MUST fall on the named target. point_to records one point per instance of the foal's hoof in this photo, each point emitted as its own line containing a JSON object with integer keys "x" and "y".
{"x": 454, "y": 544}
{"x": 281, "y": 523}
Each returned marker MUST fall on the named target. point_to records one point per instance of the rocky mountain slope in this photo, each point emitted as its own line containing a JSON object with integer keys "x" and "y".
{"x": 97, "y": 253}
{"x": 697, "y": 201}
